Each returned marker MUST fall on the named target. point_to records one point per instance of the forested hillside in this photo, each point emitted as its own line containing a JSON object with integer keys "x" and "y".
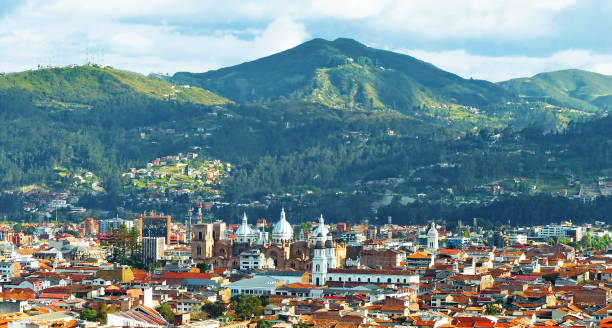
{"x": 331, "y": 126}
{"x": 569, "y": 88}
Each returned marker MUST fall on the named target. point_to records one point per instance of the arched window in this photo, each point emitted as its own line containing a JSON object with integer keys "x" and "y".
{"x": 318, "y": 268}
{"x": 389, "y": 280}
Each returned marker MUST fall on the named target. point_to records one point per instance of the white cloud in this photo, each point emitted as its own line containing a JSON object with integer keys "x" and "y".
{"x": 60, "y": 32}
{"x": 472, "y": 18}
{"x": 198, "y": 35}
{"x": 499, "y": 68}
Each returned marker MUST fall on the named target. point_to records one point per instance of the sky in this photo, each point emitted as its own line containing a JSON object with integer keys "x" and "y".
{"x": 485, "y": 39}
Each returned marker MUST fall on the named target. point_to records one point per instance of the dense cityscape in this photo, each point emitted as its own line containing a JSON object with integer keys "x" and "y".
{"x": 153, "y": 271}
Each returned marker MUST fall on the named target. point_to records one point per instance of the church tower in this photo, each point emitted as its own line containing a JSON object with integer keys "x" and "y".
{"x": 319, "y": 265}
{"x": 330, "y": 253}
{"x": 432, "y": 238}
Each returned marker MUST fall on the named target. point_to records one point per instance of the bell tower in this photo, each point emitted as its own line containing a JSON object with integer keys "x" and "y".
{"x": 319, "y": 265}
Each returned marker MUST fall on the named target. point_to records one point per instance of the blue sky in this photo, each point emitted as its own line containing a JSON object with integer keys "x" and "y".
{"x": 488, "y": 39}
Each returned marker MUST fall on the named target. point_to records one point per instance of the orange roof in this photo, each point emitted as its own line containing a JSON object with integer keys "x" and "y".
{"x": 25, "y": 251}
{"x": 54, "y": 295}
{"x": 420, "y": 255}
{"x": 54, "y": 308}
{"x": 299, "y": 285}
{"x": 449, "y": 251}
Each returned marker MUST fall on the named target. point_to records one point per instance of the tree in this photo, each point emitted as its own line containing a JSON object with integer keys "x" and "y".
{"x": 300, "y": 324}
{"x": 203, "y": 267}
{"x": 264, "y": 324}
{"x": 247, "y": 307}
{"x": 166, "y": 311}
{"x": 88, "y": 315}
{"x": 102, "y": 313}
{"x": 492, "y": 309}
{"x": 214, "y": 310}
{"x": 265, "y": 300}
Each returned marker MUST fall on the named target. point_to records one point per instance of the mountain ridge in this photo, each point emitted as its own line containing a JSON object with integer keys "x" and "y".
{"x": 573, "y": 88}
{"x": 344, "y": 74}
{"x": 84, "y": 85}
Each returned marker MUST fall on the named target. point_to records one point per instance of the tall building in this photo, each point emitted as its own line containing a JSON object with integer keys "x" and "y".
{"x": 107, "y": 226}
{"x": 204, "y": 238}
{"x": 90, "y": 227}
{"x": 153, "y": 249}
{"x": 155, "y": 226}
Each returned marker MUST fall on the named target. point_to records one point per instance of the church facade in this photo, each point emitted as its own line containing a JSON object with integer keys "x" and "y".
{"x": 212, "y": 243}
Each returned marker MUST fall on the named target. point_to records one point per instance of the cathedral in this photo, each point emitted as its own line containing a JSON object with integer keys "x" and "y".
{"x": 281, "y": 249}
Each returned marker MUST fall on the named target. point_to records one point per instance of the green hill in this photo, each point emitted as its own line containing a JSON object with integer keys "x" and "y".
{"x": 344, "y": 74}
{"x": 568, "y": 88}
{"x": 85, "y": 85}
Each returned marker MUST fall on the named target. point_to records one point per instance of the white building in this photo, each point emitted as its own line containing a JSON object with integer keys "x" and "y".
{"x": 517, "y": 239}
{"x": 254, "y": 259}
{"x": 561, "y": 231}
{"x": 258, "y": 285}
{"x": 372, "y": 276}
{"x": 153, "y": 249}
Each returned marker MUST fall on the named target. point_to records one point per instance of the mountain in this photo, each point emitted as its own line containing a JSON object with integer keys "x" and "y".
{"x": 567, "y": 88}
{"x": 344, "y": 74}
{"x": 84, "y": 85}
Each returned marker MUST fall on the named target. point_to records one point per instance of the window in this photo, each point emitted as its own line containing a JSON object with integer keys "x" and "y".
{"x": 199, "y": 235}
{"x": 199, "y": 251}
{"x": 318, "y": 268}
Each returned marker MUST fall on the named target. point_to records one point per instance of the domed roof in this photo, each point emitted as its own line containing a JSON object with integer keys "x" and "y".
{"x": 432, "y": 230}
{"x": 282, "y": 229}
{"x": 321, "y": 231}
{"x": 244, "y": 229}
